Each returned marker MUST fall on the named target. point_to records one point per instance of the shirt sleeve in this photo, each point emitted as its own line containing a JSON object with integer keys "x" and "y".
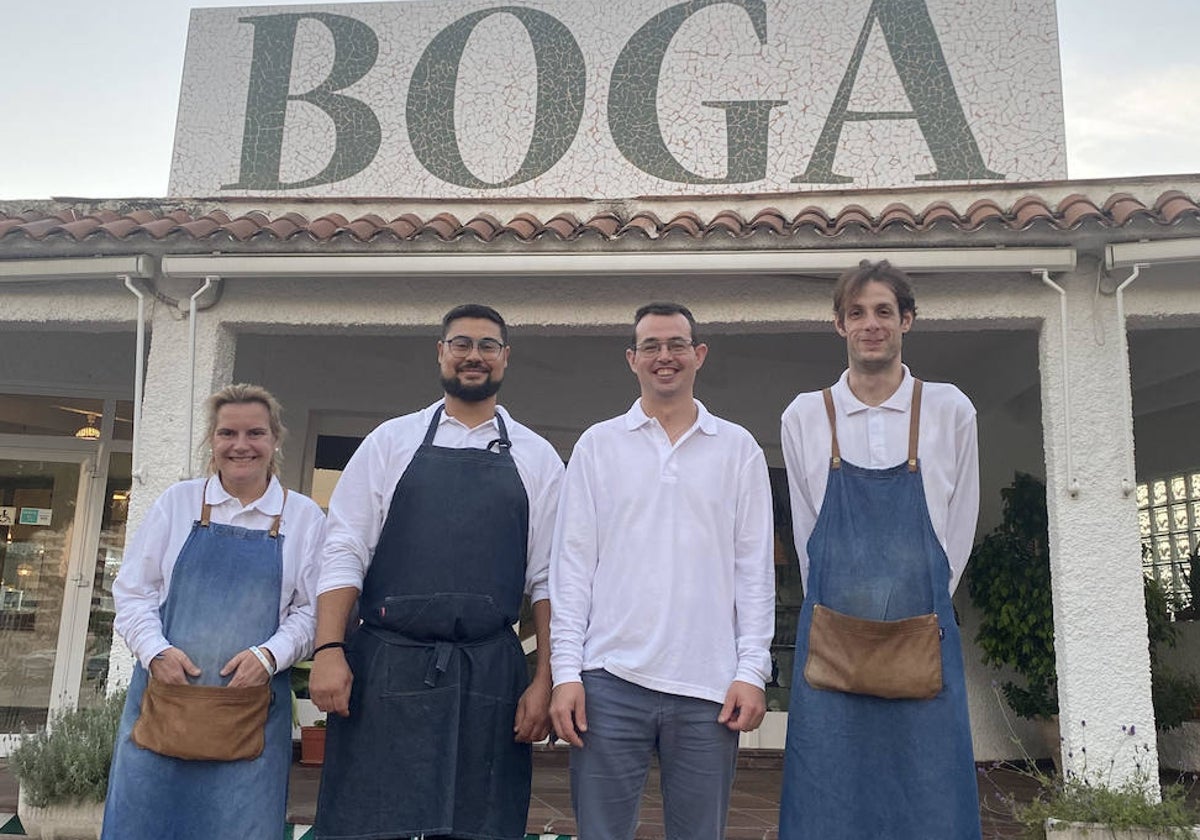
{"x": 754, "y": 572}
{"x": 356, "y": 516}
{"x": 572, "y": 567}
{"x": 804, "y": 511}
{"x": 963, "y": 510}
{"x": 139, "y": 588}
{"x": 294, "y": 639}
{"x": 543, "y": 510}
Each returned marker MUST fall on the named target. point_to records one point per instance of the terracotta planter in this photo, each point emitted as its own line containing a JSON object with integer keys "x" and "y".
{"x": 1058, "y": 830}
{"x": 73, "y": 821}
{"x": 312, "y": 746}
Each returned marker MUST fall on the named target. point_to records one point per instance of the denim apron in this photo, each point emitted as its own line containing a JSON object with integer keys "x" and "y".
{"x": 224, "y": 597}
{"x": 865, "y": 768}
{"x": 428, "y": 747}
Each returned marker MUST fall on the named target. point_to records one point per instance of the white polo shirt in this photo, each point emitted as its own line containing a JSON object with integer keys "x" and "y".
{"x": 876, "y": 437}
{"x": 663, "y": 570}
{"x": 360, "y": 502}
{"x": 145, "y": 576}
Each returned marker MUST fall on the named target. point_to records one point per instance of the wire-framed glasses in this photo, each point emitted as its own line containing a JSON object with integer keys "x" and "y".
{"x": 462, "y": 345}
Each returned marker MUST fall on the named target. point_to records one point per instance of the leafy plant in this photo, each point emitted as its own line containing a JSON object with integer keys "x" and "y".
{"x": 68, "y": 761}
{"x": 1175, "y": 695}
{"x": 1008, "y": 578}
{"x": 1084, "y": 796}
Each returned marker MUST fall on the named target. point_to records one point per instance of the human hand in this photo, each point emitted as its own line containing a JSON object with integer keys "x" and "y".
{"x": 533, "y": 712}
{"x": 329, "y": 682}
{"x": 173, "y": 667}
{"x": 745, "y": 706}
{"x": 246, "y": 670}
{"x": 567, "y": 712}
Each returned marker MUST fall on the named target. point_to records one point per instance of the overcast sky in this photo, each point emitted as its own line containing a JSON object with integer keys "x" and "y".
{"x": 90, "y": 91}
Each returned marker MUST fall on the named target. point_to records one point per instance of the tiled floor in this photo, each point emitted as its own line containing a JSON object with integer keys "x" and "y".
{"x": 753, "y": 808}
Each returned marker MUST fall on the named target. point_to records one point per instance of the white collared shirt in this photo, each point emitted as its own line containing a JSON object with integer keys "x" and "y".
{"x": 360, "y": 502}
{"x": 145, "y": 577}
{"x": 876, "y": 437}
{"x": 663, "y": 568}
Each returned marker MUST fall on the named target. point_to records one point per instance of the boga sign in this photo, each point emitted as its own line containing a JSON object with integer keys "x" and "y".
{"x": 559, "y": 99}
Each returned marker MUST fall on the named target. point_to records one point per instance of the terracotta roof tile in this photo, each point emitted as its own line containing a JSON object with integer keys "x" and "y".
{"x": 175, "y": 224}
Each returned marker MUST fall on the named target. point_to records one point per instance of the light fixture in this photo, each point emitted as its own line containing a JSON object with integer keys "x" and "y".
{"x": 88, "y": 431}
{"x": 1129, "y": 254}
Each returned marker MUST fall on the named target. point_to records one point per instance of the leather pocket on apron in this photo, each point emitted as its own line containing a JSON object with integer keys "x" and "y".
{"x": 203, "y": 722}
{"x": 896, "y": 660}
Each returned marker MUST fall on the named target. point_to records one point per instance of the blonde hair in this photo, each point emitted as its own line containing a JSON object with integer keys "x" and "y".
{"x": 240, "y": 394}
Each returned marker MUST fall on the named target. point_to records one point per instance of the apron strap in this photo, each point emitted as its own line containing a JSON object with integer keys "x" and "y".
{"x": 206, "y": 511}
{"x": 835, "y": 456}
{"x": 274, "y": 532}
{"x": 205, "y": 507}
{"x": 914, "y": 425}
{"x": 498, "y": 444}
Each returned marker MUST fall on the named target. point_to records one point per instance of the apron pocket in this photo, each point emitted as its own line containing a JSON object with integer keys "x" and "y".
{"x": 458, "y": 616}
{"x": 895, "y": 660}
{"x": 203, "y": 722}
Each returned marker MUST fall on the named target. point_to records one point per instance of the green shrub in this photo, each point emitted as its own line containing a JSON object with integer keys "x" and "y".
{"x": 69, "y": 760}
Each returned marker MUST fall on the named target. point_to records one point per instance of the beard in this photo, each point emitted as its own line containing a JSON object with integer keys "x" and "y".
{"x": 471, "y": 393}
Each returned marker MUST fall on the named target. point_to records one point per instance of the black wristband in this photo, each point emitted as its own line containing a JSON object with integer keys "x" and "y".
{"x": 328, "y": 645}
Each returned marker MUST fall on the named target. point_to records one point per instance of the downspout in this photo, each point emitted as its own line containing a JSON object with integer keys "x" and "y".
{"x": 1072, "y": 480}
{"x": 139, "y": 372}
{"x": 1127, "y": 484}
{"x": 191, "y": 391}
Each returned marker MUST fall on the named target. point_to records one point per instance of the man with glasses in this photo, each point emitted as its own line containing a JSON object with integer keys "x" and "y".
{"x": 440, "y": 523}
{"x": 664, "y": 596}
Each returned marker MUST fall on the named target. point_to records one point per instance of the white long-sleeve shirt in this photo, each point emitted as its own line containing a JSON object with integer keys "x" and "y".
{"x": 145, "y": 576}
{"x": 876, "y": 437}
{"x": 360, "y": 502}
{"x": 663, "y": 568}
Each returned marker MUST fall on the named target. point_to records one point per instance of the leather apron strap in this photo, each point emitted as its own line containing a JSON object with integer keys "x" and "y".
{"x": 914, "y": 428}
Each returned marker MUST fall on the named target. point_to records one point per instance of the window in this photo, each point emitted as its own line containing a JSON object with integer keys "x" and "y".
{"x": 1169, "y": 521}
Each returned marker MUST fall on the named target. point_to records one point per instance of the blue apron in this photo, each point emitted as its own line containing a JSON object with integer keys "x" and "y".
{"x": 428, "y": 747}
{"x": 224, "y": 597}
{"x": 865, "y": 768}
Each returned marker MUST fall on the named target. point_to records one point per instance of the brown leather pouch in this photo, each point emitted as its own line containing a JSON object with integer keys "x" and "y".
{"x": 203, "y": 722}
{"x": 896, "y": 660}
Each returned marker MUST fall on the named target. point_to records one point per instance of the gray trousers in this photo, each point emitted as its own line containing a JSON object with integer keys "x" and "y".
{"x": 627, "y": 724}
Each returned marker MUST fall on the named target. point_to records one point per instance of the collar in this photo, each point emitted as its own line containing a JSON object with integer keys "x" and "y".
{"x": 636, "y": 418}
{"x": 899, "y": 401}
{"x": 446, "y": 418}
{"x": 269, "y": 503}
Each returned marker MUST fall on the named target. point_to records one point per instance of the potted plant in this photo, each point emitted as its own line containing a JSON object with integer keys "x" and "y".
{"x": 306, "y": 717}
{"x": 1081, "y": 803}
{"x": 312, "y": 744}
{"x": 63, "y": 771}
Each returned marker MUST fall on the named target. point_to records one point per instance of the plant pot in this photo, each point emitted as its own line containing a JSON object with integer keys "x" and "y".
{"x": 1059, "y": 830}
{"x": 312, "y": 746}
{"x": 65, "y": 821}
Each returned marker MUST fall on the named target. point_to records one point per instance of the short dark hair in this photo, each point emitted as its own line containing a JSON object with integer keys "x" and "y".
{"x": 475, "y": 310}
{"x": 851, "y": 283}
{"x": 664, "y": 308}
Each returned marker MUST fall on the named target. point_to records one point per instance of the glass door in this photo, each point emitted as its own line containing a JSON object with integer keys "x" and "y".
{"x": 41, "y": 499}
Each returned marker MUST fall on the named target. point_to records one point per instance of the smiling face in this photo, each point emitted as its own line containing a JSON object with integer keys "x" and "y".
{"x": 665, "y": 375}
{"x": 243, "y": 445}
{"x": 473, "y": 377}
{"x": 873, "y": 328}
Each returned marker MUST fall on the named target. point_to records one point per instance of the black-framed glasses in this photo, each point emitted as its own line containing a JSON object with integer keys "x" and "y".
{"x": 462, "y": 345}
{"x": 675, "y": 346}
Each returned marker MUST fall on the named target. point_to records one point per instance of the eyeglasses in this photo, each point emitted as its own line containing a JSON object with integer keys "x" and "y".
{"x": 462, "y": 345}
{"x": 676, "y": 347}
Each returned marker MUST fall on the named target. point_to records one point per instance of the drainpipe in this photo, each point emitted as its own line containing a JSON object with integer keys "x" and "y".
{"x": 1127, "y": 484}
{"x": 186, "y": 473}
{"x": 1072, "y": 479}
{"x": 139, "y": 373}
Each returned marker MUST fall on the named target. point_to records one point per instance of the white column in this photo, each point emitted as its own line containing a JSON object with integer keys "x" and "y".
{"x": 163, "y": 444}
{"x": 1100, "y": 642}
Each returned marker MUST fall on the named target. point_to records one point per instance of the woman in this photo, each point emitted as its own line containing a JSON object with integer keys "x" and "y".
{"x": 217, "y": 589}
